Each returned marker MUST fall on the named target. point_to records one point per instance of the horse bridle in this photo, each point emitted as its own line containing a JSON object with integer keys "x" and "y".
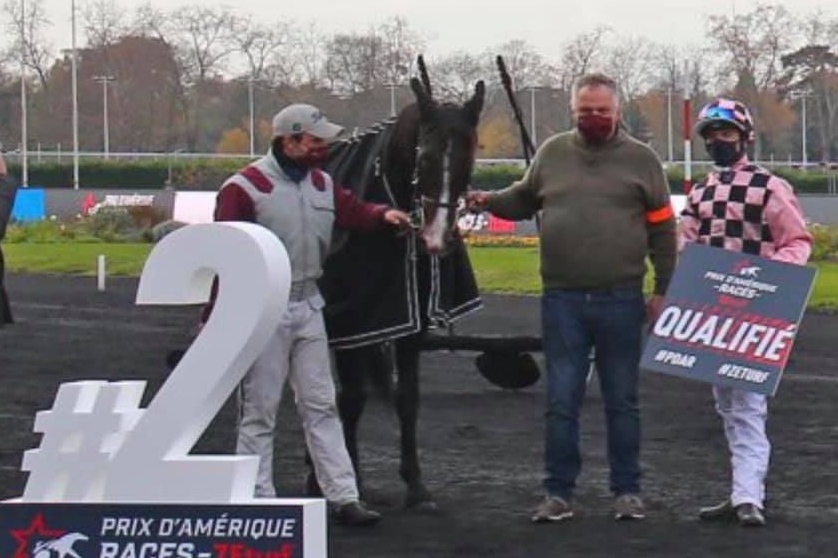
{"x": 419, "y": 200}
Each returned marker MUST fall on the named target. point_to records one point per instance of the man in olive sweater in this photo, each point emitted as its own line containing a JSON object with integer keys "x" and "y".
{"x": 605, "y": 207}
{"x": 8, "y": 188}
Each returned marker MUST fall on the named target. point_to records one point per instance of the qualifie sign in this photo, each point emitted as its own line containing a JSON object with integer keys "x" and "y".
{"x": 729, "y": 319}
{"x": 111, "y": 479}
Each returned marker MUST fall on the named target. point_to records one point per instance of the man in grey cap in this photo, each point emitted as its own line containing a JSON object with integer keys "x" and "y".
{"x": 8, "y": 189}
{"x": 287, "y": 192}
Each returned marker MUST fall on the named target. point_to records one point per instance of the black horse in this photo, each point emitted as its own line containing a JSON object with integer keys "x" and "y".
{"x": 384, "y": 291}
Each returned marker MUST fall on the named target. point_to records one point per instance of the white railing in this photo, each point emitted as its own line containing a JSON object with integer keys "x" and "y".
{"x": 67, "y": 156}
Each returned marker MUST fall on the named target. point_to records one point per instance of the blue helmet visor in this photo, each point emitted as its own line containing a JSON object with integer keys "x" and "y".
{"x": 720, "y": 113}
{"x": 718, "y": 117}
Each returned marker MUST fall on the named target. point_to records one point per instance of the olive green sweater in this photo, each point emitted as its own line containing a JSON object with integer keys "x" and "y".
{"x": 604, "y": 209}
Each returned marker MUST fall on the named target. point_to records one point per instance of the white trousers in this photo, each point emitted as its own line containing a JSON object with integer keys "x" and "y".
{"x": 744, "y": 415}
{"x": 299, "y": 352}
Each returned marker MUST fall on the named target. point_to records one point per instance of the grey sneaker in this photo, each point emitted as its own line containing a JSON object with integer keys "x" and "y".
{"x": 750, "y": 515}
{"x": 628, "y": 507}
{"x": 552, "y": 508}
{"x": 720, "y": 512}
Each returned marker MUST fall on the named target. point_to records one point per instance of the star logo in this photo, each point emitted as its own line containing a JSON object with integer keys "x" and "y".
{"x": 28, "y": 536}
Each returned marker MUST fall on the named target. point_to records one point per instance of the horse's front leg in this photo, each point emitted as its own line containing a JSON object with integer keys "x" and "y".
{"x": 407, "y": 406}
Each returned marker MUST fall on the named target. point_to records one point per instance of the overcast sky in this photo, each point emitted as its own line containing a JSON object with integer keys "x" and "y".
{"x": 474, "y": 25}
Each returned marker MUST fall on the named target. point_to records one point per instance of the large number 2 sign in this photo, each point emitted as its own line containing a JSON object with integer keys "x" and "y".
{"x": 98, "y": 445}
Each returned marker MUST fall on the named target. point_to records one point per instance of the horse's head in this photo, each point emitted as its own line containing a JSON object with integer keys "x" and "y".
{"x": 445, "y": 151}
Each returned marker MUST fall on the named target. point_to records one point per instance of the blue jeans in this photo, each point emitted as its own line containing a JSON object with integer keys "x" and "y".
{"x": 610, "y": 321}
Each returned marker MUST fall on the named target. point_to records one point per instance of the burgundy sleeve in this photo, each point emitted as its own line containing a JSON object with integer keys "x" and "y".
{"x": 231, "y": 204}
{"x": 352, "y": 213}
{"x": 234, "y": 204}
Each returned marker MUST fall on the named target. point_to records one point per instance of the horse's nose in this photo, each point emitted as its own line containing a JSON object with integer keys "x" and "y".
{"x": 433, "y": 246}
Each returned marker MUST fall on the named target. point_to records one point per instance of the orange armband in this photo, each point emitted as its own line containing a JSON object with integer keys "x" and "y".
{"x": 660, "y": 215}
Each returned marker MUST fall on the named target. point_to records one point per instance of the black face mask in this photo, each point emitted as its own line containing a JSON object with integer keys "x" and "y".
{"x": 725, "y": 153}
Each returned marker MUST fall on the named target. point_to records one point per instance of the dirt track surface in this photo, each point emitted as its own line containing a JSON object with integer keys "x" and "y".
{"x": 481, "y": 446}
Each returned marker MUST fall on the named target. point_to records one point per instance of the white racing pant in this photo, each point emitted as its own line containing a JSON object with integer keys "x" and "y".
{"x": 298, "y": 351}
{"x": 744, "y": 415}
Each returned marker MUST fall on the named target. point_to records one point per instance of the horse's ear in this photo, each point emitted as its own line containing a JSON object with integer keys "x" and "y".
{"x": 474, "y": 106}
{"x": 423, "y": 73}
{"x": 422, "y": 98}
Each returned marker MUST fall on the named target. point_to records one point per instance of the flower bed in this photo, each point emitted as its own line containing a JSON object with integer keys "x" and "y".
{"x": 501, "y": 241}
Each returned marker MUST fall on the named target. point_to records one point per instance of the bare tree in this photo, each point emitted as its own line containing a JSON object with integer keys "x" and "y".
{"x": 307, "y": 57}
{"x": 154, "y": 23}
{"x": 260, "y": 43}
{"x": 455, "y": 75}
{"x": 630, "y": 61}
{"x": 35, "y": 48}
{"x": 200, "y": 38}
{"x": 685, "y": 68}
{"x": 525, "y": 65}
{"x": 581, "y": 55}
{"x": 401, "y": 45}
{"x": 354, "y": 62}
{"x": 104, "y": 22}
{"x": 752, "y": 43}
{"x": 810, "y": 74}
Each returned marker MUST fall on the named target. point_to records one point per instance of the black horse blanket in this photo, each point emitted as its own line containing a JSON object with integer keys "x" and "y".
{"x": 8, "y": 189}
{"x": 379, "y": 286}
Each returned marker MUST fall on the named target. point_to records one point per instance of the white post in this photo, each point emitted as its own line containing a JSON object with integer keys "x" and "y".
{"x": 100, "y": 272}
{"x": 688, "y": 178}
{"x": 669, "y": 124}
{"x": 75, "y": 98}
{"x": 252, "y": 116}
{"x": 105, "y": 117}
{"x": 802, "y": 94}
{"x": 803, "y": 131}
{"x": 104, "y": 79}
{"x": 24, "y": 139}
{"x": 392, "y": 87}
{"x": 532, "y": 117}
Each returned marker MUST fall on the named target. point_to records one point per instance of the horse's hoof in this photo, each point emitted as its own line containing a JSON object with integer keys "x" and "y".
{"x": 425, "y": 506}
{"x": 421, "y": 500}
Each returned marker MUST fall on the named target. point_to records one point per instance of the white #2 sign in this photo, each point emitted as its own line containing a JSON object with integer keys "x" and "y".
{"x": 113, "y": 480}
{"x": 98, "y": 445}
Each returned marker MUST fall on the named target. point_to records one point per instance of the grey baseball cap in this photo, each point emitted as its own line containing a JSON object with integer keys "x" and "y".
{"x": 301, "y": 118}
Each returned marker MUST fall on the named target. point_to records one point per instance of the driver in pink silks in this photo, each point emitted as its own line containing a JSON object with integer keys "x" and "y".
{"x": 744, "y": 208}
{"x": 286, "y": 192}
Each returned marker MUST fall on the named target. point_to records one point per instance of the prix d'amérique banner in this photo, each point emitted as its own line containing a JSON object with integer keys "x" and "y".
{"x": 729, "y": 319}
{"x": 151, "y": 531}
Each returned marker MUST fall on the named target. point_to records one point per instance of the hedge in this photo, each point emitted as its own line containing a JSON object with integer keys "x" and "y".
{"x": 208, "y": 174}
{"x": 197, "y": 174}
{"x": 499, "y": 176}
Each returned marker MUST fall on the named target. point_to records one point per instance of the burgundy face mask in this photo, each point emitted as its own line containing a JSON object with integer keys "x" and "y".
{"x": 595, "y": 128}
{"x": 315, "y": 157}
